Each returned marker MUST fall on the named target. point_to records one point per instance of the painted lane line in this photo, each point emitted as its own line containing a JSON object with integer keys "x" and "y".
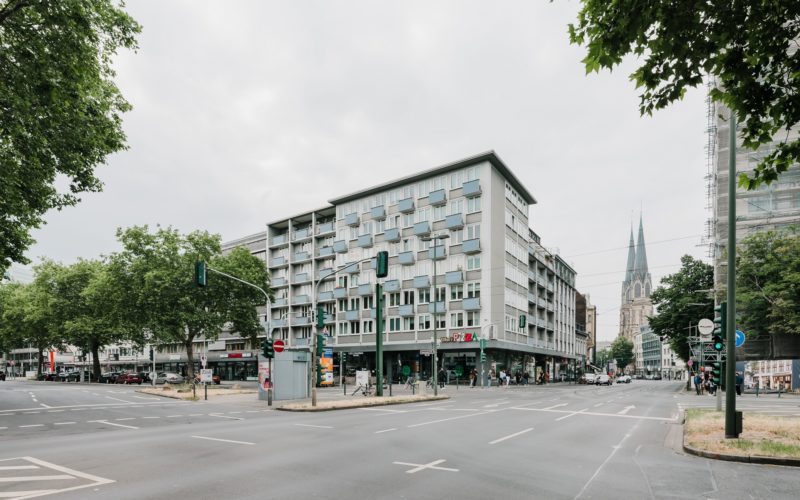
{"x": 31, "y": 412}
{"x": 121, "y": 400}
{"x": 35, "y": 478}
{"x": 64, "y": 423}
{"x": 385, "y": 410}
{"x": 123, "y": 419}
{"x": 145, "y": 398}
{"x": 571, "y": 414}
{"x": 224, "y": 416}
{"x": 232, "y": 412}
{"x": 32, "y": 425}
{"x": 18, "y": 467}
{"x": 598, "y": 404}
{"x": 511, "y": 436}
{"x": 625, "y": 410}
{"x": 95, "y": 406}
{"x": 253, "y": 411}
{"x": 432, "y": 465}
{"x": 554, "y": 406}
{"x": 151, "y": 417}
{"x": 448, "y": 419}
{"x": 55, "y": 411}
{"x": 196, "y": 414}
{"x": 45, "y": 406}
{"x": 596, "y": 414}
{"x": 174, "y": 416}
{"x": 315, "y": 426}
{"x": 112, "y": 423}
{"x": 223, "y": 440}
{"x": 613, "y": 452}
{"x": 3, "y": 428}
{"x": 386, "y": 430}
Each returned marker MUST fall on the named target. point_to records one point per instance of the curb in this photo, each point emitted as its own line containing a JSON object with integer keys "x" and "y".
{"x": 361, "y": 405}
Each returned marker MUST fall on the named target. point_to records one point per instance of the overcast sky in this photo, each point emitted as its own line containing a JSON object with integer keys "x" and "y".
{"x": 246, "y": 112}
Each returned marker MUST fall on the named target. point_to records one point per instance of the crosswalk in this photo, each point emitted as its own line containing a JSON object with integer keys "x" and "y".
{"x": 29, "y": 477}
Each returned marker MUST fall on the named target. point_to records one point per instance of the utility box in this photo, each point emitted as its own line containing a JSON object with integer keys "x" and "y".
{"x": 289, "y": 375}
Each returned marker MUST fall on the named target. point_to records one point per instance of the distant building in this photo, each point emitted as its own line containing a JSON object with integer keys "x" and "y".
{"x": 783, "y": 374}
{"x": 636, "y": 305}
{"x": 672, "y": 366}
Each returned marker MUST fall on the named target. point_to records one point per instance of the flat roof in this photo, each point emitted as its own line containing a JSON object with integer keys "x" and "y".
{"x": 489, "y": 156}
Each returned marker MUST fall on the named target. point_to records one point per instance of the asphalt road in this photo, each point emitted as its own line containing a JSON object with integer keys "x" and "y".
{"x": 560, "y": 441}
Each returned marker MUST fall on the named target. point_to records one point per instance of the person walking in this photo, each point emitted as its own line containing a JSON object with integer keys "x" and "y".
{"x": 739, "y": 383}
{"x": 697, "y": 383}
{"x": 473, "y": 377}
{"x": 442, "y": 375}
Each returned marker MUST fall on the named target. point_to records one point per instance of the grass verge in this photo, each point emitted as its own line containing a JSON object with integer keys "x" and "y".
{"x": 762, "y": 435}
{"x": 184, "y": 391}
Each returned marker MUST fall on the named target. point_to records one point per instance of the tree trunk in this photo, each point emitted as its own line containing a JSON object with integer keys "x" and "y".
{"x": 190, "y": 357}
{"x": 95, "y": 361}
{"x": 40, "y": 357}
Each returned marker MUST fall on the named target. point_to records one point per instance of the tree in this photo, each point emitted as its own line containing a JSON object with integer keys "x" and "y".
{"x": 768, "y": 282}
{"x": 749, "y": 46}
{"x": 157, "y": 295}
{"x": 682, "y": 301}
{"x": 622, "y": 352}
{"x": 60, "y": 111}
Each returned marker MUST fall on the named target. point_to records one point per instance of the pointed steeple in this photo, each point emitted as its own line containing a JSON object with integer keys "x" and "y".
{"x": 631, "y": 260}
{"x": 640, "y": 267}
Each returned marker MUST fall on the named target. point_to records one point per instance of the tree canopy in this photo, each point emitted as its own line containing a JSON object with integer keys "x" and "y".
{"x": 768, "y": 282}
{"x": 749, "y": 46}
{"x": 683, "y": 300}
{"x": 60, "y": 111}
{"x": 622, "y": 351}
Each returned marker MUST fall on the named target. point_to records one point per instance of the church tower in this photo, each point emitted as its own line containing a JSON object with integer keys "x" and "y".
{"x": 636, "y": 305}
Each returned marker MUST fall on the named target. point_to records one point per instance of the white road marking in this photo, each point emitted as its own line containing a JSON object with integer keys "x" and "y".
{"x": 55, "y": 411}
{"x": 613, "y": 452}
{"x": 96, "y": 406}
{"x": 315, "y": 426}
{"x": 174, "y": 416}
{"x": 596, "y": 414}
{"x": 223, "y": 440}
{"x": 34, "y": 478}
{"x": 63, "y": 423}
{"x": 45, "y": 406}
{"x": 383, "y": 409}
{"x": 72, "y": 474}
{"x": 31, "y": 412}
{"x": 431, "y": 465}
{"x": 451, "y": 418}
{"x": 3, "y": 428}
{"x": 598, "y": 404}
{"x": 511, "y": 436}
{"x": 386, "y": 430}
{"x": 112, "y": 423}
{"x": 196, "y": 414}
{"x": 32, "y": 425}
{"x": 554, "y": 406}
{"x": 626, "y": 410}
{"x": 224, "y": 416}
{"x": 232, "y": 412}
{"x": 122, "y": 419}
{"x": 151, "y": 417}
{"x": 122, "y": 400}
{"x": 571, "y": 414}
{"x": 18, "y": 467}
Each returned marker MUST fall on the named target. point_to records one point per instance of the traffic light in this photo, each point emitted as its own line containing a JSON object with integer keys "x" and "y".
{"x": 320, "y": 317}
{"x": 721, "y": 327}
{"x": 200, "y": 273}
{"x": 522, "y": 319}
{"x": 320, "y": 345}
{"x": 716, "y": 372}
{"x": 382, "y": 266}
{"x": 319, "y": 373}
{"x": 267, "y": 348}
{"x": 483, "y": 357}
{"x": 151, "y": 354}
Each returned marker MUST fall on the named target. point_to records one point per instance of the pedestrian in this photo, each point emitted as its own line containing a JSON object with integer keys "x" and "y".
{"x": 697, "y": 385}
{"x": 502, "y": 380}
{"x": 442, "y": 375}
{"x": 525, "y": 378}
{"x": 739, "y": 383}
{"x": 489, "y": 378}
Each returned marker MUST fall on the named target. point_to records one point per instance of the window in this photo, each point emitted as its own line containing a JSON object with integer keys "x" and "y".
{"x": 440, "y": 321}
{"x": 457, "y": 236}
{"x": 424, "y": 295}
{"x": 423, "y": 244}
{"x": 354, "y": 280}
{"x": 369, "y": 302}
{"x": 394, "y": 324}
{"x": 394, "y": 299}
{"x": 456, "y": 179}
{"x": 441, "y": 294}
{"x": 473, "y": 318}
{"x": 366, "y": 228}
{"x": 473, "y": 262}
{"x": 455, "y": 207}
{"x": 439, "y": 213}
{"x": 456, "y": 320}
{"x": 354, "y": 233}
{"x": 342, "y": 304}
{"x": 424, "y": 322}
{"x": 342, "y": 282}
{"x": 408, "y": 296}
{"x": 354, "y": 303}
{"x": 473, "y": 290}
{"x": 456, "y": 292}
{"x": 473, "y": 231}
{"x": 474, "y": 204}
{"x": 408, "y": 220}
{"x": 408, "y": 324}
{"x": 423, "y": 214}
{"x": 344, "y": 328}
{"x": 355, "y": 327}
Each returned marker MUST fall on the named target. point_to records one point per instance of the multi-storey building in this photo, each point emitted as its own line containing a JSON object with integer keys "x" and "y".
{"x": 672, "y": 366}
{"x": 462, "y": 262}
{"x": 781, "y": 374}
{"x": 650, "y": 351}
{"x": 586, "y": 321}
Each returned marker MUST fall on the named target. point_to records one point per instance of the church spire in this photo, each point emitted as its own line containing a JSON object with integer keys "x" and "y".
{"x": 631, "y": 260}
{"x": 640, "y": 267}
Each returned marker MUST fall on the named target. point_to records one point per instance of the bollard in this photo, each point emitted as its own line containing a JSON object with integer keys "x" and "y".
{"x": 205, "y": 390}
{"x": 757, "y": 387}
{"x": 344, "y": 385}
{"x": 194, "y": 391}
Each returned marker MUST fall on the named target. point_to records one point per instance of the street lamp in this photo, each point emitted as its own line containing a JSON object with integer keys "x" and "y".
{"x": 436, "y": 240}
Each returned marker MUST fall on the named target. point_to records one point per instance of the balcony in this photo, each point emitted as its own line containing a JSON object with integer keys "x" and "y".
{"x": 302, "y": 234}
{"x": 406, "y": 310}
{"x": 278, "y": 282}
{"x": 326, "y": 296}
{"x": 281, "y": 239}
{"x": 471, "y": 304}
{"x": 550, "y": 286}
{"x": 351, "y": 315}
{"x": 371, "y": 314}
{"x": 422, "y": 228}
{"x": 327, "y": 227}
{"x": 392, "y": 234}
{"x": 550, "y": 325}
{"x": 437, "y": 198}
{"x": 437, "y": 307}
{"x": 365, "y": 241}
{"x": 326, "y": 272}
{"x": 453, "y": 277}
{"x": 340, "y": 292}
{"x": 531, "y": 298}
{"x": 340, "y": 246}
{"x": 453, "y": 222}
{"x": 301, "y": 320}
{"x": 405, "y": 206}
{"x": 422, "y": 281}
{"x": 280, "y": 302}
{"x": 391, "y": 286}
{"x": 352, "y": 268}
{"x": 406, "y": 258}
{"x": 352, "y": 219}
{"x": 541, "y": 302}
{"x": 472, "y": 188}
{"x": 278, "y": 261}
{"x": 437, "y": 252}
{"x": 471, "y": 246}
{"x": 365, "y": 289}
{"x": 301, "y": 278}
{"x": 277, "y": 322}
{"x": 326, "y": 251}
{"x": 300, "y": 299}
{"x": 301, "y": 256}
{"x": 378, "y": 213}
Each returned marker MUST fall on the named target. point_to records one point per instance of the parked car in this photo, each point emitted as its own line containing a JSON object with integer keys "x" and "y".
{"x": 129, "y": 378}
{"x": 624, "y": 379}
{"x": 590, "y": 378}
{"x": 147, "y": 377}
{"x": 49, "y": 377}
{"x": 108, "y": 377}
{"x": 169, "y": 378}
{"x": 214, "y": 379}
{"x": 74, "y": 376}
{"x": 603, "y": 379}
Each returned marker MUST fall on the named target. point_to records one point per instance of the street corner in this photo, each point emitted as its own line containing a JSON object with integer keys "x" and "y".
{"x": 358, "y": 403}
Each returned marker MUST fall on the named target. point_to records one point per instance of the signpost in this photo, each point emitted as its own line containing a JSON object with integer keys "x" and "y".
{"x": 705, "y": 327}
{"x": 205, "y": 378}
{"x": 740, "y": 338}
{"x": 278, "y": 346}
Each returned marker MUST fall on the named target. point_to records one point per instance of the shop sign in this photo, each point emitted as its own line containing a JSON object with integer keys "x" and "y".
{"x": 174, "y": 357}
{"x": 460, "y": 337}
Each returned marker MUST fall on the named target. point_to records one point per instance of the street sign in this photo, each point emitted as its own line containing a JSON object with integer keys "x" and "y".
{"x": 406, "y": 371}
{"x": 690, "y": 363}
{"x": 203, "y": 360}
{"x": 206, "y": 375}
{"x": 705, "y": 327}
{"x": 740, "y": 338}
{"x": 278, "y": 345}
{"x": 327, "y": 352}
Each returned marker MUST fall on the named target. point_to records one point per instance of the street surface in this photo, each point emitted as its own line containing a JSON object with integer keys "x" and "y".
{"x": 79, "y": 441}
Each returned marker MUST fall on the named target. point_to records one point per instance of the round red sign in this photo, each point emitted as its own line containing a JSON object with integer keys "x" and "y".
{"x": 278, "y": 345}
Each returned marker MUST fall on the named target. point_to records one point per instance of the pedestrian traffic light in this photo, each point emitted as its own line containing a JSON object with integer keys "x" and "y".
{"x": 151, "y": 354}
{"x": 200, "y": 273}
{"x": 320, "y": 345}
{"x": 268, "y": 348}
{"x": 720, "y": 330}
{"x": 320, "y": 317}
{"x": 382, "y": 266}
{"x": 522, "y": 319}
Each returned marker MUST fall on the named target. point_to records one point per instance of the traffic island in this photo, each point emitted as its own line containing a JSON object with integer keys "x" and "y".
{"x": 359, "y": 403}
{"x": 185, "y": 392}
{"x": 765, "y": 439}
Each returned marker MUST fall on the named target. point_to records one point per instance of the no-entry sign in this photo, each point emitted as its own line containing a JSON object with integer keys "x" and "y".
{"x": 278, "y": 345}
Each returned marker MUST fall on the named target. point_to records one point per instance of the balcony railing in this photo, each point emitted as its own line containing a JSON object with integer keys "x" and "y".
{"x": 352, "y": 219}
{"x": 406, "y": 206}
{"x": 471, "y": 246}
{"x": 422, "y": 281}
{"x": 365, "y": 289}
{"x": 453, "y": 277}
{"x": 364, "y": 241}
{"x": 391, "y": 286}
{"x": 472, "y": 188}
{"x": 302, "y": 233}
{"x": 378, "y": 213}
{"x": 392, "y": 234}
{"x": 327, "y": 227}
{"x": 406, "y": 310}
{"x": 340, "y": 246}
{"x": 453, "y": 222}
{"x": 422, "y": 228}
{"x": 406, "y": 258}
{"x": 471, "y": 304}
{"x": 437, "y": 198}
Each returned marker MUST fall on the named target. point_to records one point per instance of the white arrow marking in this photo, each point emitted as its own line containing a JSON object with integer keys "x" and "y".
{"x": 626, "y": 410}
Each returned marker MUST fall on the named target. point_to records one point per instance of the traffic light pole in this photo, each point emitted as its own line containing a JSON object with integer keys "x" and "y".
{"x": 378, "y": 339}
{"x": 730, "y": 369}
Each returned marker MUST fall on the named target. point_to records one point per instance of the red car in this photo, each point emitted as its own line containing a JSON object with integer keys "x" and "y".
{"x": 129, "y": 378}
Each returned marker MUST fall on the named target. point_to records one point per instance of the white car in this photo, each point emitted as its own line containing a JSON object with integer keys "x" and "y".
{"x": 602, "y": 379}
{"x": 624, "y": 379}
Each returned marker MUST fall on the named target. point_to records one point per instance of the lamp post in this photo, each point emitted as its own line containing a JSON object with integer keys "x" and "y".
{"x": 436, "y": 240}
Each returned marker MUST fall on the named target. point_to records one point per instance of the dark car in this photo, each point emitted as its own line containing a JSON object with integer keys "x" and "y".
{"x": 145, "y": 376}
{"x": 49, "y": 377}
{"x": 129, "y": 378}
{"x": 108, "y": 377}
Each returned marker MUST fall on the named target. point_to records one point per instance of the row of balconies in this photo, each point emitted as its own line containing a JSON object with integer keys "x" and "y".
{"x": 304, "y": 233}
